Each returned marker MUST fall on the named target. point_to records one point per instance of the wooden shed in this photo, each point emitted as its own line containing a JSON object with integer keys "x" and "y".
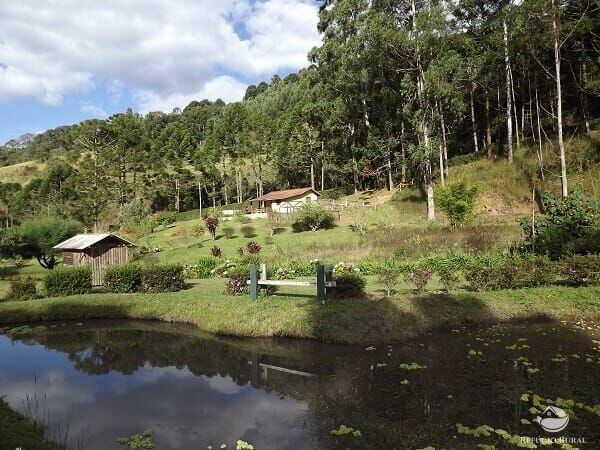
{"x": 96, "y": 250}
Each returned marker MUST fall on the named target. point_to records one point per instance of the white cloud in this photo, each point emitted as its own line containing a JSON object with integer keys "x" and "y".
{"x": 167, "y": 52}
{"x": 92, "y": 110}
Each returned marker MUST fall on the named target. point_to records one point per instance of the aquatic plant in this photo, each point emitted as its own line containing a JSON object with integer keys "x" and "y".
{"x": 138, "y": 441}
{"x": 344, "y": 430}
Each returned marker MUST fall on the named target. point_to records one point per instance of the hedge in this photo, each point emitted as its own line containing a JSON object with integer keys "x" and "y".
{"x": 125, "y": 278}
{"x": 163, "y": 278}
{"x": 68, "y": 281}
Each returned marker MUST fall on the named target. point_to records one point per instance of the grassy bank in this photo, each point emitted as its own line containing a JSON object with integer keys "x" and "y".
{"x": 16, "y": 431}
{"x": 298, "y": 315}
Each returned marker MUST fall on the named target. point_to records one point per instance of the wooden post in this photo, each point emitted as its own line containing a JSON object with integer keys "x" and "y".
{"x": 328, "y": 275}
{"x": 253, "y": 282}
{"x": 263, "y": 271}
{"x": 321, "y": 283}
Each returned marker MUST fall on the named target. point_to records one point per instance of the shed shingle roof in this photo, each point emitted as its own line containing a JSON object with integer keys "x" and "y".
{"x": 283, "y": 195}
{"x": 83, "y": 241}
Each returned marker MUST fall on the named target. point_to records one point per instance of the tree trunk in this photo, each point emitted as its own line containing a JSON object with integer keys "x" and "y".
{"x": 177, "y": 194}
{"x": 561, "y": 144}
{"x": 539, "y": 131}
{"x": 473, "y": 120}
{"x": 442, "y": 180}
{"x": 445, "y": 144}
{"x": 508, "y": 97}
{"x": 389, "y": 170}
{"x": 403, "y": 167}
{"x": 584, "y": 97}
{"x": 514, "y": 102}
{"x": 322, "y": 165}
{"x": 312, "y": 173}
{"x": 488, "y": 126}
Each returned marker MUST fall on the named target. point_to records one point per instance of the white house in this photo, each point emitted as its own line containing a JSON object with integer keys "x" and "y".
{"x": 287, "y": 201}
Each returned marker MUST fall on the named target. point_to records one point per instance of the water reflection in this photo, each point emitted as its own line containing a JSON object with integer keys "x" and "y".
{"x": 118, "y": 378}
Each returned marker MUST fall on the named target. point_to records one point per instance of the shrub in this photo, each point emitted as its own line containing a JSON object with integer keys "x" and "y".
{"x": 457, "y": 200}
{"x": 253, "y": 248}
{"x": 581, "y": 270}
{"x": 344, "y": 267}
{"x": 536, "y": 272}
{"x": 479, "y": 278}
{"x": 163, "y": 278}
{"x": 215, "y": 251}
{"x": 198, "y": 230}
{"x": 242, "y": 218}
{"x": 165, "y": 218}
{"x": 206, "y": 265}
{"x": 248, "y": 231}
{"x": 565, "y": 229}
{"x": 68, "y": 281}
{"x": 389, "y": 278}
{"x": 228, "y": 232}
{"x": 22, "y": 289}
{"x": 123, "y": 278}
{"x": 349, "y": 285}
{"x": 212, "y": 222}
{"x": 448, "y": 277}
{"x": 237, "y": 281}
{"x": 419, "y": 276}
{"x": 312, "y": 217}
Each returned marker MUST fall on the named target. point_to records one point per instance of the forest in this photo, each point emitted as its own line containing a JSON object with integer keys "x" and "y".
{"x": 397, "y": 91}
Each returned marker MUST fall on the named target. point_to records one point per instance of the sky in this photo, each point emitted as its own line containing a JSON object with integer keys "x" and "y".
{"x": 64, "y": 61}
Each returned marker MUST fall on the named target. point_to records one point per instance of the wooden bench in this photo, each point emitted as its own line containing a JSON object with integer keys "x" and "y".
{"x": 323, "y": 282}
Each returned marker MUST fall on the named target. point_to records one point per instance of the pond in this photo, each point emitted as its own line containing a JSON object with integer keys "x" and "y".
{"x": 97, "y": 381}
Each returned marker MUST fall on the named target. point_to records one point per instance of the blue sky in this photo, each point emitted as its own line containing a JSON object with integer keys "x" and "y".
{"x": 62, "y": 62}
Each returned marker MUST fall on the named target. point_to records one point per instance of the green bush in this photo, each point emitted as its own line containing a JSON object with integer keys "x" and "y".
{"x": 457, "y": 200}
{"x": 165, "y": 218}
{"x": 228, "y": 232}
{"x": 512, "y": 274}
{"x": 448, "y": 277}
{"x": 312, "y": 217}
{"x": 567, "y": 227}
{"x": 349, "y": 285}
{"x": 581, "y": 270}
{"x": 68, "y": 281}
{"x": 22, "y": 289}
{"x": 206, "y": 266}
{"x": 248, "y": 231}
{"x": 163, "y": 278}
{"x": 125, "y": 278}
{"x": 389, "y": 278}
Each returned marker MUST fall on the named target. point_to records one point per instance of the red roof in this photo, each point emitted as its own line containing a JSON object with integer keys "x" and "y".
{"x": 283, "y": 195}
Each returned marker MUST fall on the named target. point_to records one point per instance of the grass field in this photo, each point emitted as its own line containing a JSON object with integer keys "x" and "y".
{"x": 21, "y": 173}
{"x": 295, "y": 313}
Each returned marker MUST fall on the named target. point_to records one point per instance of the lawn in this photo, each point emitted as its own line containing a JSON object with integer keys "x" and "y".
{"x": 294, "y": 312}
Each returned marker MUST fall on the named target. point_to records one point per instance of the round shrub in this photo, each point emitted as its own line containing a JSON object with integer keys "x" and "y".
{"x": 349, "y": 285}
{"x": 22, "y": 289}
{"x": 164, "y": 278}
{"x": 215, "y": 251}
{"x": 457, "y": 200}
{"x": 248, "y": 231}
{"x": 419, "y": 276}
{"x": 228, "y": 232}
{"x": 312, "y": 217}
{"x": 68, "y": 281}
{"x": 124, "y": 278}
